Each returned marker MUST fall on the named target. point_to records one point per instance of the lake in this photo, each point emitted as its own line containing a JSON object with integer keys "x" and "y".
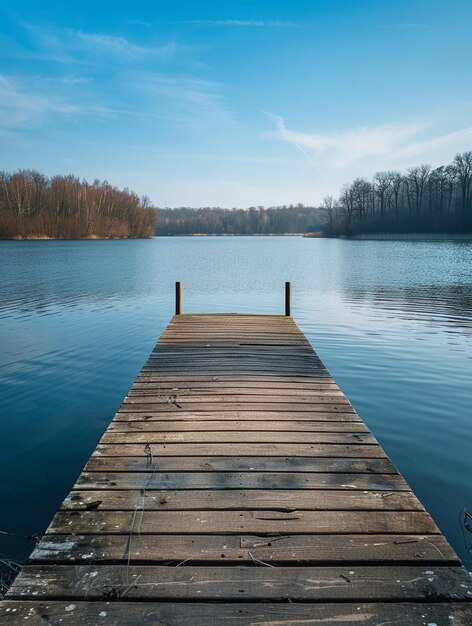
{"x": 392, "y": 320}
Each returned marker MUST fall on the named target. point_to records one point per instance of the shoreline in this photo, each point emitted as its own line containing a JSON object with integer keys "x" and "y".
{"x": 360, "y": 237}
{"x": 233, "y": 235}
{"x": 89, "y": 238}
{"x": 411, "y": 237}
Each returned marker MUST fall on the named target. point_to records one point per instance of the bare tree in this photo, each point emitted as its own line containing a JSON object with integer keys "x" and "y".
{"x": 329, "y": 211}
{"x": 382, "y": 182}
{"x": 463, "y": 169}
{"x": 417, "y": 179}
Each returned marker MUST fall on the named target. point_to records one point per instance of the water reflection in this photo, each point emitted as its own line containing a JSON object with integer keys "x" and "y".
{"x": 447, "y": 306}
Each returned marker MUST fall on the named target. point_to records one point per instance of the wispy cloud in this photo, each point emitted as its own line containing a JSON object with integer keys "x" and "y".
{"x": 80, "y": 47}
{"x": 23, "y": 107}
{"x": 249, "y": 23}
{"x": 119, "y": 46}
{"x": 192, "y": 98}
{"x": 68, "y": 80}
{"x": 406, "y": 25}
{"x": 361, "y": 149}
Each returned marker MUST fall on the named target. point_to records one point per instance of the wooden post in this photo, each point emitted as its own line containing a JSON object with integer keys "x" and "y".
{"x": 178, "y": 298}
{"x": 287, "y": 299}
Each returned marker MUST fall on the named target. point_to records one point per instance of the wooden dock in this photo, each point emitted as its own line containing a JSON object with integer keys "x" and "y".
{"x": 237, "y": 485}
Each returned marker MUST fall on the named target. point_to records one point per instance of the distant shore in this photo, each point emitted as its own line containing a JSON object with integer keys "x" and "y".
{"x": 235, "y": 235}
{"x": 413, "y": 236}
{"x": 319, "y": 235}
{"x": 48, "y": 238}
{"x": 315, "y": 235}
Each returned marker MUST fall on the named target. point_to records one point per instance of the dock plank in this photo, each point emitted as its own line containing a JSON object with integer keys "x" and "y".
{"x": 244, "y": 521}
{"x": 237, "y": 436}
{"x": 100, "y": 462}
{"x": 425, "y": 550}
{"x": 299, "y": 584}
{"x": 237, "y": 614}
{"x": 241, "y": 480}
{"x": 170, "y": 448}
{"x": 195, "y": 425}
{"x": 171, "y": 414}
{"x": 251, "y": 499}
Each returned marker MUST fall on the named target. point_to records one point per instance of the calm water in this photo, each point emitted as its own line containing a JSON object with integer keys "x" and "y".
{"x": 391, "y": 320}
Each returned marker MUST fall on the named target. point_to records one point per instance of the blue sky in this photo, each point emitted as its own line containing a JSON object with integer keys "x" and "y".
{"x": 233, "y": 103}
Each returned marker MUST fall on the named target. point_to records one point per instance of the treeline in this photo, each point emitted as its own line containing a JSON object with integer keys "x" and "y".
{"x": 252, "y": 221}
{"x": 421, "y": 199}
{"x": 64, "y": 207}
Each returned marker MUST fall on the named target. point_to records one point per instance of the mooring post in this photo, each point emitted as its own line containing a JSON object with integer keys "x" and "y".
{"x": 287, "y": 299}
{"x": 178, "y": 298}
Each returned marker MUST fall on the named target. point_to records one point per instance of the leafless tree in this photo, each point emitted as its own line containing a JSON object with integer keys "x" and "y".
{"x": 463, "y": 169}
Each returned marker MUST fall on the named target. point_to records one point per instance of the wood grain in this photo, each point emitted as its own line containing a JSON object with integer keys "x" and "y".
{"x": 124, "y": 613}
{"x": 327, "y": 584}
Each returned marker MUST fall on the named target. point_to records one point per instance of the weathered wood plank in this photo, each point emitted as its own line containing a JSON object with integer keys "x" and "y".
{"x": 249, "y": 386}
{"x": 177, "y": 362}
{"x": 250, "y": 370}
{"x": 196, "y": 426}
{"x": 223, "y": 399}
{"x": 237, "y": 395}
{"x": 252, "y": 522}
{"x": 192, "y": 390}
{"x": 280, "y": 407}
{"x": 275, "y": 336}
{"x": 239, "y": 335}
{"x": 243, "y": 346}
{"x": 240, "y": 480}
{"x": 201, "y": 499}
{"x": 424, "y": 550}
{"x": 244, "y": 352}
{"x": 233, "y": 339}
{"x": 237, "y": 614}
{"x": 163, "y": 362}
{"x": 265, "y": 437}
{"x": 238, "y": 464}
{"x": 234, "y": 377}
{"x": 75, "y": 582}
{"x": 174, "y": 414}
{"x": 303, "y": 349}
{"x": 366, "y": 451}
{"x": 235, "y": 358}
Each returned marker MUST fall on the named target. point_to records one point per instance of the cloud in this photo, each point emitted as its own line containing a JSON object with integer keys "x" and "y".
{"x": 406, "y": 25}
{"x": 69, "y": 46}
{"x": 20, "y": 107}
{"x": 193, "y": 98}
{"x": 249, "y": 23}
{"x": 378, "y": 147}
{"x": 119, "y": 46}
{"x": 109, "y": 44}
{"x": 457, "y": 140}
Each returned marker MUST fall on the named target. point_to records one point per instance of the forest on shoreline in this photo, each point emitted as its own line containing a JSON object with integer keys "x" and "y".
{"x": 33, "y": 206}
{"x": 420, "y": 200}
{"x": 282, "y": 220}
